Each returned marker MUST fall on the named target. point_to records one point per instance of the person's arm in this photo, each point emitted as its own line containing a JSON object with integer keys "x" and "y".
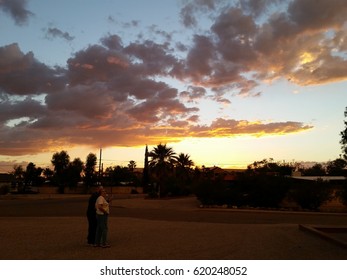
{"x": 101, "y": 208}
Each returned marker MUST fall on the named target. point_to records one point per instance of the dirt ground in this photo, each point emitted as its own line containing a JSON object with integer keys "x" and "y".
{"x": 141, "y": 238}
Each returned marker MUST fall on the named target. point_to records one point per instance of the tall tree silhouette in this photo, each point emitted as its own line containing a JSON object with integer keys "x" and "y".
{"x": 60, "y": 161}
{"x": 184, "y": 172}
{"x": 343, "y": 141}
{"x": 90, "y": 175}
{"x": 161, "y": 164}
{"x": 73, "y": 172}
{"x": 145, "y": 173}
{"x": 32, "y": 175}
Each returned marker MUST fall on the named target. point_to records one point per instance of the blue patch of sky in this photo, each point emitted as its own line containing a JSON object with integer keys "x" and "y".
{"x": 88, "y": 22}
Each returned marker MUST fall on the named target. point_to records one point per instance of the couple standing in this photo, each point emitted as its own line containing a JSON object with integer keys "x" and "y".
{"x": 97, "y": 214}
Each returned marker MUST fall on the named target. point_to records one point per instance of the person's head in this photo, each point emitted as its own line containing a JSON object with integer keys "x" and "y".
{"x": 102, "y": 192}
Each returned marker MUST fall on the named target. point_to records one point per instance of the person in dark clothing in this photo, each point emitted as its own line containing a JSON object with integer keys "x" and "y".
{"x": 91, "y": 216}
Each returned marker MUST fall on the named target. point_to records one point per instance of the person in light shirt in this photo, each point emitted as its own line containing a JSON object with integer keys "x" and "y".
{"x": 102, "y": 211}
{"x": 91, "y": 216}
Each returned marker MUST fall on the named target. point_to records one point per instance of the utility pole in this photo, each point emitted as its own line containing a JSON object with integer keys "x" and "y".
{"x": 100, "y": 165}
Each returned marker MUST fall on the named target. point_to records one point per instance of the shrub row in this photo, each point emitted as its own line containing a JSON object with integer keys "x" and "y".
{"x": 259, "y": 190}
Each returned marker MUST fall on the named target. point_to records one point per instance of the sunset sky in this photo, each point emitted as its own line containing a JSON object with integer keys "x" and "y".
{"x": 227, "y": 82}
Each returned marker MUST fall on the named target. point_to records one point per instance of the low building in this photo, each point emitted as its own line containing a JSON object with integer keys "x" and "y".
{"x": 332, "y": 179}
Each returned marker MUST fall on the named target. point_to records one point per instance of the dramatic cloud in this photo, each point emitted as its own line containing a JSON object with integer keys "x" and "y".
{"x": 108, "y": 96}
{"x": 22, "y": 74}
{"x": 54, "y": 32}
{"x": 17, "y": 10}
{"x": 189, "y": 11}
{"x": 226, "y": 128}
{"x": 303, "y": 41}
{"x": 111, "y": 94}
{"x": 193, "y": 93}
{"x": 33, "y": 137}
{"x": 258, "y": 7}
{"x": 14, "y": 110}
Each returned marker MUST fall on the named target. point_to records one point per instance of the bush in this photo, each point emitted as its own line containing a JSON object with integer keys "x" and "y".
{"x": 211, "y": 192}
{"x": 260, "y": 190}
{"x": 4, "y": 189}
{"x": 255, "y": 190}
{"x": 311, "y": 195}
{"x": 134, "y": 191}
{"x": 342, "y": 193}
{"x": 152, "y": 191}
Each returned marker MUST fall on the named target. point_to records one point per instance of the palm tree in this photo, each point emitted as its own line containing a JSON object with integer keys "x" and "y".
{"x": 184, "y": 161}
{"x": 162, "y": 162}
{"x": 132, "y": 165}
{"x": 183, "y": 171}
{"x": 60, "y": 161}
